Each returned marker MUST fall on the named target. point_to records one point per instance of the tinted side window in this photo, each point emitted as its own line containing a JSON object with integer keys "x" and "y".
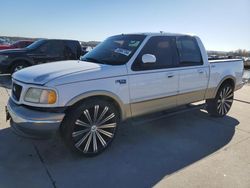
{"x": 163, "y": 48}
{"x": 189, "y": 51}
{"x": 27, "y": 43}
{"x": 52, "y": 48}
{"x": 22, "y": 44}
{"x": 19, "y": 45}
{"x": 70, "y": 50}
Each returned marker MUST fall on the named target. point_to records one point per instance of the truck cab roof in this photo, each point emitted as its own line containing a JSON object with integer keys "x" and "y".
{"x": 159, "y": 34}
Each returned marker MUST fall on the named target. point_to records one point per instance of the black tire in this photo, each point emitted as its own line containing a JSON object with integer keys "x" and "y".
{"x": 221, "y": 104}
{"x": 18, "y": 66}
{"x": 90, "y": 127}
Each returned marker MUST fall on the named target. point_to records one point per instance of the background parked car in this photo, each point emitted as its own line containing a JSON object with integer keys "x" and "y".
{"x": 247, "y": 62}
{"x": 41, "y": 51}
{"x": 3, "y": 42}
{"x": 86, "y": 49}
{"x": 18, "y": 44}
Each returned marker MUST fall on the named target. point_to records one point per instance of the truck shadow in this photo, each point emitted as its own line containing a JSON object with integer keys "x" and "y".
{"x": 140, "y": 156}
{"x": 5, "y": 81}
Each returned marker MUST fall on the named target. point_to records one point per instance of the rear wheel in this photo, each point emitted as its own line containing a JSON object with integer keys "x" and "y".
{"x": 221, "y": 104}
{"x": 90, "y": 128}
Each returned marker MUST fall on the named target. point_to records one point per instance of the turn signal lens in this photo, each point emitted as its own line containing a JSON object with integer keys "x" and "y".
{"x": 51, "y": 97}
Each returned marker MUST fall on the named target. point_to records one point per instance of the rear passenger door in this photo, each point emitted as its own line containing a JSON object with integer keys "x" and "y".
{"x": 72, "y": 50}
{"x": 193, "y": 75}
{"x": 154, "y": 86}
{"x": 55, "y": 51}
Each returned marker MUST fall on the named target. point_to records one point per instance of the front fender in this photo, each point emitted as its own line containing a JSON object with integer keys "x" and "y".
{"x": 25, "y": 59}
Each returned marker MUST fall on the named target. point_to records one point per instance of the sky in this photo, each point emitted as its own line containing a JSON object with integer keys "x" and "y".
{"x": 221, "y": 24}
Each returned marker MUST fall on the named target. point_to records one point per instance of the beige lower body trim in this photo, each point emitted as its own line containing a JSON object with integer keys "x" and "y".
{"x": 190, "y": 97}
{"x": 211, "y": 93}
{"x": 126, "y": 112}
{"x": 150, "y": 106}
{"x": 155, "y": 105}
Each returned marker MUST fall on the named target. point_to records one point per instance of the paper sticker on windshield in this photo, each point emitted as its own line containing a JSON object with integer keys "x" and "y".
{"x": 133, "y": 43}
{"x": 123, "y": 51}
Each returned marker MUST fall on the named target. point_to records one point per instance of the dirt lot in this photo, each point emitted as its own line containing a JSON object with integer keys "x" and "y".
{"x": 185, "y": 150}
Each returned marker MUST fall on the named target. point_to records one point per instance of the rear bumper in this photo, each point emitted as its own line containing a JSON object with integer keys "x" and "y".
{"x": 33, "y": 123}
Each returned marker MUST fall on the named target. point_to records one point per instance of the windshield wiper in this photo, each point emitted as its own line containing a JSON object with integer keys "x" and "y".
{"x": 93, "y": 60}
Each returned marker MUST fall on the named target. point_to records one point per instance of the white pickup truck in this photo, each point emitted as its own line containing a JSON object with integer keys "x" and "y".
{"x": 124, "y": 76}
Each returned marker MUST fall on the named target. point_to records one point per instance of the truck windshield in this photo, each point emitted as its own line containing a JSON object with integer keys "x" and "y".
{"x": 36, "y": 44}
{"x": 116, "y": 50}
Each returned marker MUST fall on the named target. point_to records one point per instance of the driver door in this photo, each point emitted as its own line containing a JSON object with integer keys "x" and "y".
{"x": 154, "y": 86}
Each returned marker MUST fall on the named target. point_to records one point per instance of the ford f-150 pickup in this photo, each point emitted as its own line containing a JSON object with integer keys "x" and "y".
{"x": 125, "y": 76}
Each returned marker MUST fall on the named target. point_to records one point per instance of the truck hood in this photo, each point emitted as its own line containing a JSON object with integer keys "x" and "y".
{"x": 42, "y": 74}
{"x": 65, "y": 72}
{"x": 13, "y": 51}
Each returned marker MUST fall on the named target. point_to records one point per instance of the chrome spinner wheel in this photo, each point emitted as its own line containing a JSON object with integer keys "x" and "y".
{"x": 225, "y": 100}
{"x": 221, "y": 104}
{"x": 94, "y": 130}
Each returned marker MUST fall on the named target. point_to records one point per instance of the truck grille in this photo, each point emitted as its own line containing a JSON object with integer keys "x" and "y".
{"x": 16, "y": 91}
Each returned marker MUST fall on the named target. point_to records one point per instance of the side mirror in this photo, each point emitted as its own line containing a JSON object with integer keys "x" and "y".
{"x": 148, "y": 58}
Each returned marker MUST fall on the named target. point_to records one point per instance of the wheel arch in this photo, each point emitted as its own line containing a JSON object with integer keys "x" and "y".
{"x": 213, "y": 107}
{"x": 124, "y": 109}
{"x": 26, "y": 60}
{"x": 228, "y": 79}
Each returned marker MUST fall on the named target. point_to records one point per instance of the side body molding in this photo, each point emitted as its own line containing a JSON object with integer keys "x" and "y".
{"x": 28, "y": 60}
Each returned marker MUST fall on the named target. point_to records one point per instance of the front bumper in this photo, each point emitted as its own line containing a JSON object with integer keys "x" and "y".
{"x": 31, "y": 123}
{"x": 4, "y": 68}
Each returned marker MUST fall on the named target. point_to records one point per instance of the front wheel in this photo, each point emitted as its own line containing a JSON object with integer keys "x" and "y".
{"x": 18, "y": 66}
{"x": 221, "y": 104}
{"x": 90, "y": 127}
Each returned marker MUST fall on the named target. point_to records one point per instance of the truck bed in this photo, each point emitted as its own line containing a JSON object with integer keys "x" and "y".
{"x": 224, "y": 61}
{"x": 221, "y": 68}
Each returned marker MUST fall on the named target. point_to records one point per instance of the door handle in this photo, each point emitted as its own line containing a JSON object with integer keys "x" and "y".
{"x": 170, "y": 75}
{"x": 200, "y": 71}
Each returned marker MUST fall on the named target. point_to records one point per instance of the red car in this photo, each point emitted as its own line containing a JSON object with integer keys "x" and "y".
{"x": 18, "y": 44}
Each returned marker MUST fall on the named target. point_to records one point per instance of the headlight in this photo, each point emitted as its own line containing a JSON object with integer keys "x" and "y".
{"x": 3, "y": 57}
{"x": 42, "y": 96}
